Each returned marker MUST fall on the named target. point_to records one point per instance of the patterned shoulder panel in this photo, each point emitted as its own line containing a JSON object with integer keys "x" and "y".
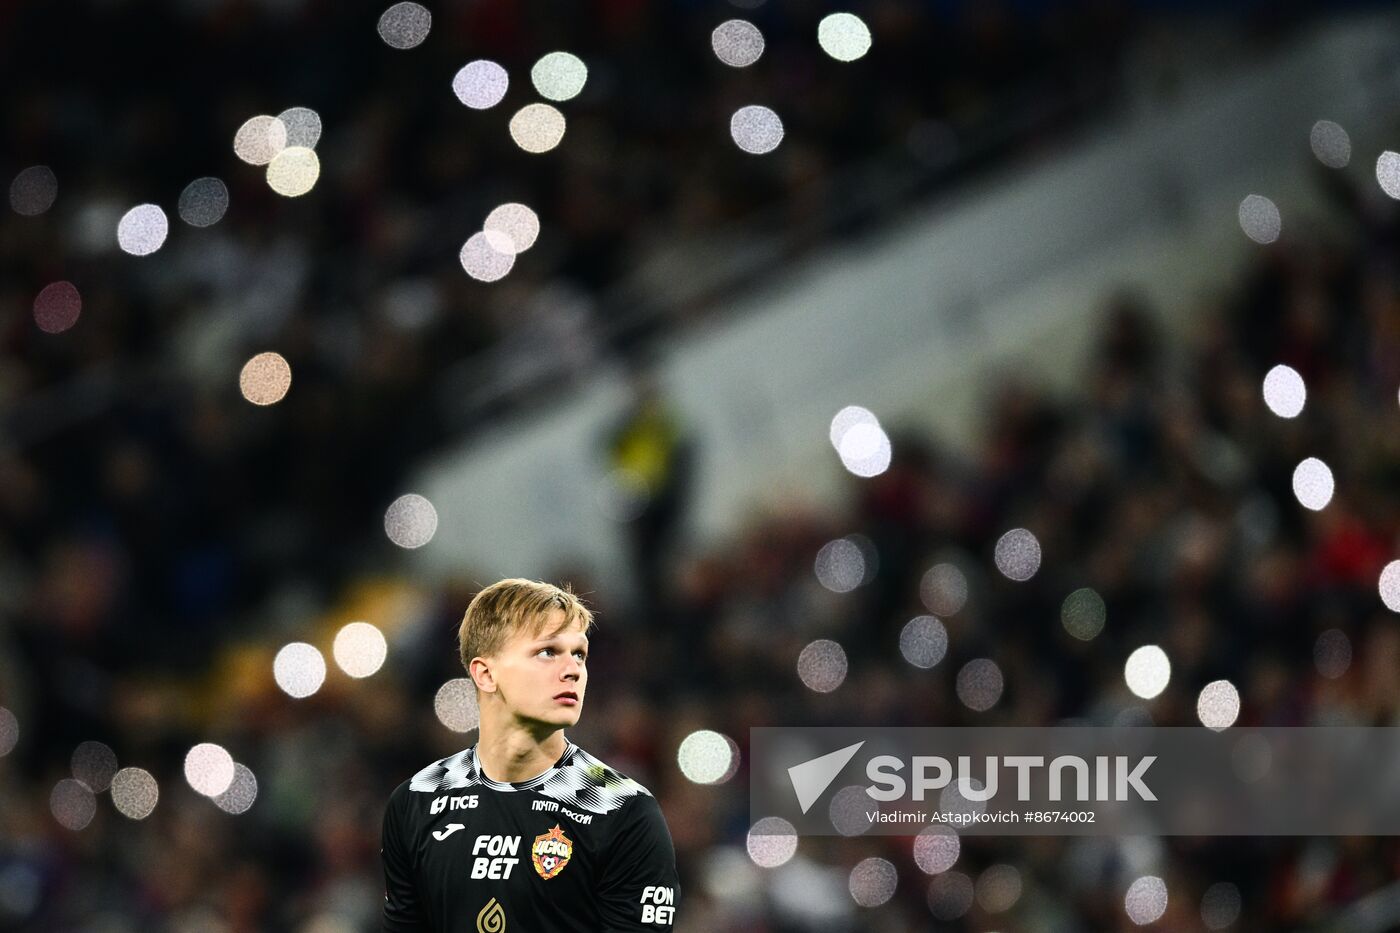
{"x": 581, "y": 781}
{"x": 586, "y": 783}
{"x": 449, "y": 773}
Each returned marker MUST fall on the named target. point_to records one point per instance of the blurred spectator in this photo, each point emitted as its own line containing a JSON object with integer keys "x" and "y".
{"x": 650, "y": 467}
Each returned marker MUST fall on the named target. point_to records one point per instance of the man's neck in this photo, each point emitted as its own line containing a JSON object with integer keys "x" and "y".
{"x": 513, "y": 754}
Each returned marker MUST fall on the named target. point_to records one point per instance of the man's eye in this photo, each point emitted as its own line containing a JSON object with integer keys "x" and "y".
{"x": 545, "y": 651}
{"x": 581, "y": 655}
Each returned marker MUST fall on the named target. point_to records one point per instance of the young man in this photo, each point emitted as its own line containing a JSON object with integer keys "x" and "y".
{"x": 526, "y": 832}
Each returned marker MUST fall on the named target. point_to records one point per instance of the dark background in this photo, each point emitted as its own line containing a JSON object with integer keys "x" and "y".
{"x": 161, "y": 538}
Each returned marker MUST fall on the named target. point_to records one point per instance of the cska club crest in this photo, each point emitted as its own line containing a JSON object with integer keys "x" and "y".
{"x": 551, "y": 852}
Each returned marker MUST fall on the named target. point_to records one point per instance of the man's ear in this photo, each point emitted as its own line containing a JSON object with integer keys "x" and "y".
{"x": 480, "y": 671}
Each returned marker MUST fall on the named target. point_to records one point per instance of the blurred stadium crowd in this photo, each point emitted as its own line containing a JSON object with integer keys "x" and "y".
{"x": 124, "y": 435}
{"x": 150, "y": 519}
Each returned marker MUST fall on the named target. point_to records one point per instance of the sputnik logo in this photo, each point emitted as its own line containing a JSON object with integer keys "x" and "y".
{"x": 811, "y": 778}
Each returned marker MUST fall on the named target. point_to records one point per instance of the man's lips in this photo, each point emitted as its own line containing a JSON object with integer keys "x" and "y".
{"x": 568, "y": 697}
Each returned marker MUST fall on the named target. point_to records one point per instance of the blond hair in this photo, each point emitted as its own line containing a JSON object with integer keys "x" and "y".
{"x": 514, "y": 605}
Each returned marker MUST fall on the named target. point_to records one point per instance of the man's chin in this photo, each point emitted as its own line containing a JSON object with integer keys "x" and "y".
{"x": 560, "y": 717}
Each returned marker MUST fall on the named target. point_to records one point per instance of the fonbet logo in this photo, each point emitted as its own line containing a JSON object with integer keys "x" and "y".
{"x": 494, "y": 857}
{"x": 658, "y": 905}
{"x": 1113, "y": 778}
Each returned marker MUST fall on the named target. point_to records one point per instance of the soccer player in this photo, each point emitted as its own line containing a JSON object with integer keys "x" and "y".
{"x": 525, "y": 832}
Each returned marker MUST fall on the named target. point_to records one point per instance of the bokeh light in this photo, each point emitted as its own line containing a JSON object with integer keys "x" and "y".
{"x": 33, "y": 191}
{"x": 847, "y": 811}
{"x": 923, "y": 641}
{"x": 559, "y": 76}
{"x": 9, "y": 731}
{"x": 265, "y": 379}
{"x": 998, "y": 888}
{"x": 1146, "y": 900}
{"x": 1147, "y": 671}
{"x": 1260, "y": 219}
{"x": 737, "y": 42}
{"x": 865, "y": 450}
{"x": 293, "y": 171}
{"x": 299, "y": 669}
{"x": 241, "y": 792}
{"x": 481, "y": 84}
{"x": 950, "y": 895}
{"x": 1332, "y": 653}
{"x": 1388, "y": 173}
{"x": 1218, "y": 705}
{"x": 142, "y": 230}
{"x": 73, "y": 804}
{"x": 869, "y": 555}
{"x": 980, "y": 684}
{"x": 847, "y": 418}
{"x": 771, "y": 842}
{"x": 756, "y": 129}
{"x": 1313, "y": 484}
{"x": 487, "y": 255}
{"x": 1389, "y": 586}
{"x": 259, "y": 139}
{"x": 209, "y": 769}
{"x": 1083, "y": 614}
{"x": 840, "y": 566}
{"x": 873, "y": 881}
{"x": 405, "y": 25}
{"x": 410, "y": 521}
{"x": 303, "y": 126}
{"x": 57, "y": 307}
{"x": 1284, "y": 391}
{"x": 843, "y": 36}
{"x": 1220, "y": 905}
{"x": 360, "y": 649}
{"x": 1330, "y": 143}
{"x": 455, "y": 705}
{"x": 936, "y": 849}
{"x": 943, "y": 589}
{"x": 822, "y": 665}
{"x": 204, "y": 202}
{"x": 135, "y": 793}
{"x": 516, "y": 222}
{"x": 1017, "y": 555}
{"x": 707, "y": 757}
{"x": 94, "y": 764}
{"x": 537, "y": 128}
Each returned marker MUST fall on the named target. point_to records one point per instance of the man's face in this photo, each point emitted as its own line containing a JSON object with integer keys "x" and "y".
{"x": 542, "y": 677}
